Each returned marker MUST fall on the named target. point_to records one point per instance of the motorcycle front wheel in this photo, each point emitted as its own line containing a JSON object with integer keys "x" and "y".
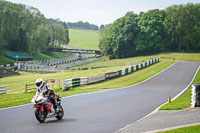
{"x": 60, "y": 113}
{"x": 41, "y": 117}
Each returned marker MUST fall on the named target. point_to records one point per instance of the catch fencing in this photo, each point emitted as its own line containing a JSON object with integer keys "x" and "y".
{"x": 101, "y": 77}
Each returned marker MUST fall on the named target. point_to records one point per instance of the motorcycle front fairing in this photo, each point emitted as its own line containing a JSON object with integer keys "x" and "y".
{"x": 38, "y": 102}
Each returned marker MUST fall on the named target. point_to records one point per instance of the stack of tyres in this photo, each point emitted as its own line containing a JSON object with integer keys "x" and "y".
{"x": 197, "y": 95}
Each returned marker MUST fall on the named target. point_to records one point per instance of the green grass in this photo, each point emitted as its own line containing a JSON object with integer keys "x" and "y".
{"x": 5, "y": 60}
{"x": 84, "y": 39}
{"x": 10, "y": 100}
{"x": 51, "y": 55}
{"x": 16, "y": 84}
{"x": 183, "y": 101}
{"x": 38, "y": 56}
{"x": 192, "y": 129}
{"x": 118, "y": 62}
{"x": 41, "y": 56}
{"x": 127, "y": 80}
{"x": 58, "y": 54}
{"x": 194, "y": 57}
{"x": 16, "y": 89}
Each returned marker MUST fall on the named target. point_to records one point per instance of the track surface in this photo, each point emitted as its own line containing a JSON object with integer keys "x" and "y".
{"x": 106, "y": 111}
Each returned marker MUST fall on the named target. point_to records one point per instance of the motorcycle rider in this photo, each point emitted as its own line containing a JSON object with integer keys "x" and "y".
{"x": 43, "y": 87}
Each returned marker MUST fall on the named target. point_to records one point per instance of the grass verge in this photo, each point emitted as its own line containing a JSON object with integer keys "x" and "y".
{"x": 127, "y": 80}
{"x": 192, "y": 129}
{"x": 52, "y": 55}
{"x": 23, "y": 98}
{"x": 184, "y": 101}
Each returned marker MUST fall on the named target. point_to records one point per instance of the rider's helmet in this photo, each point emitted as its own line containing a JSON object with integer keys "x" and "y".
{"x": 39, "y": 83}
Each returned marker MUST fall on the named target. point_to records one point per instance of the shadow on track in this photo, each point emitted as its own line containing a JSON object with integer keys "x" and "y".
{"x": 59, "y": 121}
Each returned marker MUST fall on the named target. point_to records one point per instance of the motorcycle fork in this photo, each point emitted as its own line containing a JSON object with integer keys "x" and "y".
{"x": 41, "y": 107}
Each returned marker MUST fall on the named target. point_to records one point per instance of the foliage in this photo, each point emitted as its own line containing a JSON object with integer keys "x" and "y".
{"x": 175, "y": 29}
{"x": 24, "y": 28}
{"x": 117, "y": 40}
{"x": 151, "y": 38}
{"x": 5, "y": 60}
{"x": 82, "y": 25}
{"x": 183, "y": 25}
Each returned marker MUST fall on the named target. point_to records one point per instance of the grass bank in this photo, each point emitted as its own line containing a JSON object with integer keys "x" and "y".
{"x": 18, "y": 97}
{"x": 5, "y": 60}
{"x": 127, "y": 80}
{"x": 16, "y": 84}
{"x": 192, "y": 57}
{"x": 192, "y": 129}
{"x": 51, "y": 55}
{"x": 39, "y": 56}
{"x": 84, "y": 39}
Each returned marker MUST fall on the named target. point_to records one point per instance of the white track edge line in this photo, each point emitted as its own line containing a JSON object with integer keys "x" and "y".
{"x": 162, "y": 104}
{"x": 98, "y": 91}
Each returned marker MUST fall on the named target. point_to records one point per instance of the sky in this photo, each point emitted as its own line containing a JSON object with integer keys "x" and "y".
{"x": 96, "y": 11}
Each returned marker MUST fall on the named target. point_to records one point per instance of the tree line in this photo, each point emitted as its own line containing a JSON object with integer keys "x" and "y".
{"x": 24, "y": 28}
{"x": 175, "y": 29}
{"x": 82, "y": 25}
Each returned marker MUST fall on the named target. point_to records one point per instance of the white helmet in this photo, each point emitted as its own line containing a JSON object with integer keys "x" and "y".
{"x": 39, "y": 82}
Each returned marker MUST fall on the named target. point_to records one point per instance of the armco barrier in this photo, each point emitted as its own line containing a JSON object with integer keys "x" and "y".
{"x": 97, "y": 78}
{"x": 83, "y": 80}
{"x": 2, "y": 89}
{"x": 111, "y": 75}
{"x": 74, "y": 82}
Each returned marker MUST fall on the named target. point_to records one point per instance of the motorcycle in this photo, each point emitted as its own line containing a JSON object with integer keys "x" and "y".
{"x": 44, "y": 108}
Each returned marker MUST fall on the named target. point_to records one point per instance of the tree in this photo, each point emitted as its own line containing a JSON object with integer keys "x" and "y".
{"x": 182, "y": 24}
{"x": 21, "y": 29}
{"x": 102, "y": 26}
{"x": 66, "y": 33}
{"x": 152, "y": 38}
{"x": 82, "y": 25}
{"x": 117, "y": 40}
{"x": 39, "y": 39}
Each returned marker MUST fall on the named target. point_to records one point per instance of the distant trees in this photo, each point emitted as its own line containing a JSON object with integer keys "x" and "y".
{"x": 151, "y": 37}
{"x": 24, "y": 28}
{"x": 182, "y": 23}
{"x": 175, "y": 29}
{"x": 117, "y": 40}
{"x": 82, "y": 25}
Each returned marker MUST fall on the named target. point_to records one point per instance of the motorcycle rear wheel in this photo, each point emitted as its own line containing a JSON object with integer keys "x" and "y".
{"x": 41, "y": 117}
{"x": 60, "y": 113}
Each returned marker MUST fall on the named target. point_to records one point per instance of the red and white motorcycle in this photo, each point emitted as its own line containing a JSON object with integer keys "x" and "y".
{"x": 44, "y": 108}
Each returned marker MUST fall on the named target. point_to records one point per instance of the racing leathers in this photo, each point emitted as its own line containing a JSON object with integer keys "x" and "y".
{"x": 47, "y": 92}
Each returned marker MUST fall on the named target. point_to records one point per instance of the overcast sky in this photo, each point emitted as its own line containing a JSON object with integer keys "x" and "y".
{"x": 96, "y": 11}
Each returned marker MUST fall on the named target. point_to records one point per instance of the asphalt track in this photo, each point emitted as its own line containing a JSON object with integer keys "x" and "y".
{"x": 106, "y": 111}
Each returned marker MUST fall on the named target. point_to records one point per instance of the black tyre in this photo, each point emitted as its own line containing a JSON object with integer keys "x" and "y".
{"x": 60, "y": 113}
{"x": 41, "y": 117}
